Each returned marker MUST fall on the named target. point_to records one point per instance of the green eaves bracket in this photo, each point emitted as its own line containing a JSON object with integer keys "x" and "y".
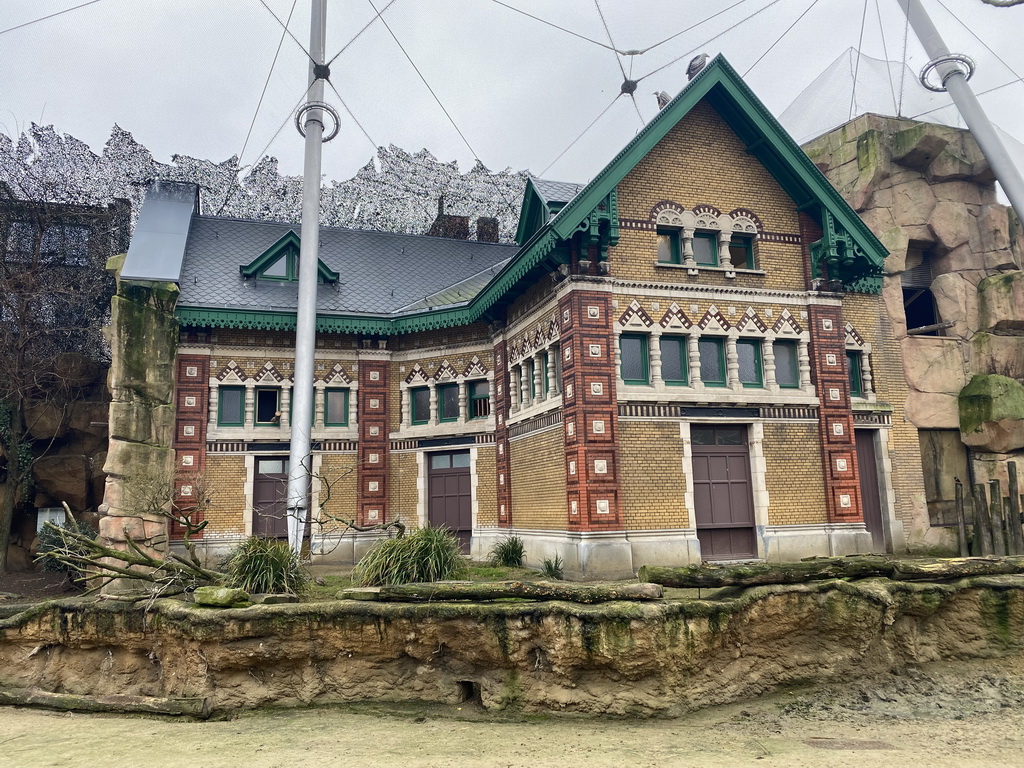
{"x": 839, "y": 253}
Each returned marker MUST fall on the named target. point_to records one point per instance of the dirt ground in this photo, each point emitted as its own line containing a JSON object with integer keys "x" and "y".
{"x": 948, "y": 714}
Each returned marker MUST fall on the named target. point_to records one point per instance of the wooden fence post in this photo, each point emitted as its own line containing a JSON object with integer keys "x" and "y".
{"x": 996, "y": 516}
{"x": 961, "y": 517}
{"x": 982, "y": 523}
{"x": 1013, "y": 512}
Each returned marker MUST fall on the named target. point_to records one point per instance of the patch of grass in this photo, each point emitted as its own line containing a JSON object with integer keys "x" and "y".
{"x": 488, "y": 572}
{"x": 428, "y": 554}
{"x": 266, "y": 565}
{"x": 508, "y": 552}
{"x": 552, "y": 569}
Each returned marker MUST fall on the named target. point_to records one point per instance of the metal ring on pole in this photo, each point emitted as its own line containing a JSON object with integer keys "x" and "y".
{"x": 322, "y": 105}
{"x": 965, "y": 67}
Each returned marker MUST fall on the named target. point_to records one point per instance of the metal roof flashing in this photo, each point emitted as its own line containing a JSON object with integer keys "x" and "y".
{"x": 157, "y": 249}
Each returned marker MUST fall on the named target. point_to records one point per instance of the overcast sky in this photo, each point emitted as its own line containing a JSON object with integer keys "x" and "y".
{"x": 185, "y": 76}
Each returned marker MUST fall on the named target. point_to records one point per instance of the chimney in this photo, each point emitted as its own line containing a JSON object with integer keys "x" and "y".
{"x": 446, "y": 225}
{"x": 487, "y": 229}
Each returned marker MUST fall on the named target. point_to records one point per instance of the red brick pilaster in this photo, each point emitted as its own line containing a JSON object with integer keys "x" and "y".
{"x": 372, "y": 452}
{"x": 590, "y": 416}
{"x": 192, "y": 405}
{"x": 835, "y": 424}
{"x": 502, "y": 403}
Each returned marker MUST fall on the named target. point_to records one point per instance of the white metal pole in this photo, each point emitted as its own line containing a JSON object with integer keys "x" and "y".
{"x": 953, "y": 79}
{"x": 300, "y": 466}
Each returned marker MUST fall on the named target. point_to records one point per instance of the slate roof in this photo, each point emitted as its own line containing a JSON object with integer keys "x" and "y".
{"x": 382, "y": 273}
{"x": 556, "y": 191}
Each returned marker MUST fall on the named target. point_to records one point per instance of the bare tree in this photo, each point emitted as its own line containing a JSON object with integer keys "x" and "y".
{"x": 54, "y": 300}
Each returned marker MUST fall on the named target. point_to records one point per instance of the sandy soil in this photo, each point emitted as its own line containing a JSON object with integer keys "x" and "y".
{"x": 949, "y": 714}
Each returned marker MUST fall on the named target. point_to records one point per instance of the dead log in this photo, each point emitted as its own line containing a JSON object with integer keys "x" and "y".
{"x": 1013, "y": 512}
{"x": 819, "y": 569}
{"x": 531, "y": 590}
{"x": 982, "y": 522}
{"x": 996, "y": 516}
{"x": 191, "y": 707}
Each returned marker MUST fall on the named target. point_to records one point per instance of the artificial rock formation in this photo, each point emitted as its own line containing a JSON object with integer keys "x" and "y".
{"x": 928, "y": 193}
{"x": 140, "y": 461}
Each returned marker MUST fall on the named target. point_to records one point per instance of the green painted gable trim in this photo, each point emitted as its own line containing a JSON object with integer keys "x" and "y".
{"x": 288, "y": 243}
{"x": 766, "y": 139}
{"x": 533, "y": 214}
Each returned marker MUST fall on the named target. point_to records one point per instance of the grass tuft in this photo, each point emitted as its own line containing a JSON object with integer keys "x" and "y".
{"x": 266, "y": 566}
{"x": 508, "y": 552}
{"x": 428, "y": 554}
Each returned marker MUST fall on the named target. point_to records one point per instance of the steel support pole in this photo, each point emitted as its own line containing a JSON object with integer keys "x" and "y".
{"x": 955, "y": 82}
{"x": 300, "y": 460}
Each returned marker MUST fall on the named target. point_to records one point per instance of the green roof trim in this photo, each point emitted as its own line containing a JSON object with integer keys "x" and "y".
{"x": 287, "y": 247}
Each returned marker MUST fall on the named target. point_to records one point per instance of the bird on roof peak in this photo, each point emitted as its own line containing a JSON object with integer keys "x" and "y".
{"x": 663, "y": 98}
{"x": 696, "y": 65}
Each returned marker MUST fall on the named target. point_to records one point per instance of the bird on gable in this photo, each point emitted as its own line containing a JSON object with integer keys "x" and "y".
{"x": 696, "y": 65}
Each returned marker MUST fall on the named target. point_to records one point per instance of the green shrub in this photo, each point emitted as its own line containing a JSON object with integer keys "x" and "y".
{"x": 266, "y": 565}
{"x": 552, "y": 569}
{"x": 428, "y": 554}
{"x": 508, "y": 552}
{"x": 52, "y": 539}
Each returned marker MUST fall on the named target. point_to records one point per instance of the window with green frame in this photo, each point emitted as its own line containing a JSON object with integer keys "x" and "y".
{"x": 419, "y": 403}
{"x": 448, "y": 402}
{"x": 705, "y": 249}
{"x": 230, "y": 406}
{"x": 556, "y": 350}
{"x": 854, "y": 364}
{"x": 479, "y": 399}
{"x": 787, "y": 363}
{"x": 669, "y": 251}
{"x": 674, "y": 365}
{"x": 712, "y": 360}
{"x": 748, "y": 353}
{"x": 633, "y": 358}
{"x": 335, "y": 407}
{"x": 545, "y": 381}
{"x": 741, "y": 252}
{"x": 268, "y": 405}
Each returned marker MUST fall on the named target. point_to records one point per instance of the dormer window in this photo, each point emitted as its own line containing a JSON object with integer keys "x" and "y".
{"x": 281, "y": 262}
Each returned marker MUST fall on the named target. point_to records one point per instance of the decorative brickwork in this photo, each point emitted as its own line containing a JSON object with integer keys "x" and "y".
{"x": 374, "y": 369}
{"x": 192, "y": 406}
{"x": 653, "y": 483}
{"x": 590, "y": 415}
{"x": 502, "y": 452}
{"x": 835, "y": 425}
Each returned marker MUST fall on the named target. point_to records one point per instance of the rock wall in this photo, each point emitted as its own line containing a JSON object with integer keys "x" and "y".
{"x": 140, "y": 460}
{"x": 617, "y": 658}
{"x": 929, "y": 195}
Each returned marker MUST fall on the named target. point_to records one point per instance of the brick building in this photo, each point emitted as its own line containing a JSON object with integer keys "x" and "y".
{"x": 683, "y": 359}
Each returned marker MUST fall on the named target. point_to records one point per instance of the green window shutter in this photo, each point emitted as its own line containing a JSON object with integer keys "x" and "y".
{"x": 748, "y": 352}
{"x": 853, "y": 362}
{"x": 787, "y": 364}
{"x": 231, "y": 406}
{"x": 712, "y": 360}
{"x": 674, "y": 364}
{"x": 336, "y": 408}
{"x": 419, "y": 399}
{"x": 633, "y": 356}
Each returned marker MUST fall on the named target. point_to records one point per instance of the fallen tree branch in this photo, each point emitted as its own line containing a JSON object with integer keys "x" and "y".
{"x": 818, "y": 569}
{"x": 532, "y": 590}
{"x": 192, "y": 707}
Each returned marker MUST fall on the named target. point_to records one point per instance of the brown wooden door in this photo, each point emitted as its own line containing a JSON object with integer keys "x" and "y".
{"x": 450, "y": 495}
{"x": 871, "y": 499}
{"x": 722, "y": 492}
{"x": 270, "y": 497}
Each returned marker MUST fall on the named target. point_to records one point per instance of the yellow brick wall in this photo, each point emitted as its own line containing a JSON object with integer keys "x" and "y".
{"x": 702, "y": 161}
{"x": 225, "y": 479}
{"x": 796, "y": 489}
{"x": 486, "y": 488}
{"x": 867, "y": 314}
{"x": 339, "y": 501}
{"x": 403, "y": 489}
{"x": 538, "y": 480}
{"x": 651, "y": 475}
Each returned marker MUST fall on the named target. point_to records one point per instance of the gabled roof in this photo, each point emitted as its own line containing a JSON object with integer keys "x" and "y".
{"x": 765, "y": 138}
{"x": 542, "y": 199}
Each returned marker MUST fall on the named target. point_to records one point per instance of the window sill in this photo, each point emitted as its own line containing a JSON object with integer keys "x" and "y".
{"x": 443, "y": 428}
{"x": 535, "y": 409}
{"x": 675, "y": 394}
{"x": 730, "y": 273}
